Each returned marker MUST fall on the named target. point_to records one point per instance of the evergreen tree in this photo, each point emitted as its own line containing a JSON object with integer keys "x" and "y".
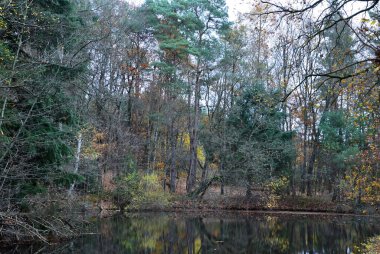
{"x": 38, "y": 102}
{"x": 257, "y": 147}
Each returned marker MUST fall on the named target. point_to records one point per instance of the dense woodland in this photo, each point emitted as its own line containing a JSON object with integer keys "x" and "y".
{"x": 105, "y": 98}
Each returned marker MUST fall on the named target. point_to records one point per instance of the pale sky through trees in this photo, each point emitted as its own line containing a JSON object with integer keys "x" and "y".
{"x": 243, "y": 6}
{"x": 237, "y": 6}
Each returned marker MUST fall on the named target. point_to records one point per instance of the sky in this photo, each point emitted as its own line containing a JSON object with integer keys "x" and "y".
{"x": 237, "y": 6}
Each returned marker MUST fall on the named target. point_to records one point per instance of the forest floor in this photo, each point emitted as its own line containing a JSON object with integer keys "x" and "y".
{"x": 269, "y": 203}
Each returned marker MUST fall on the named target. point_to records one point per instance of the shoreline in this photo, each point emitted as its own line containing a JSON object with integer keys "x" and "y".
{"x": 271, "y": 204}
{"x": 248, "y": 211}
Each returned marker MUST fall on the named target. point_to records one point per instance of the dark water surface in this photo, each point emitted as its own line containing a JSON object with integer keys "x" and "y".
{"x": 226, "y": 233}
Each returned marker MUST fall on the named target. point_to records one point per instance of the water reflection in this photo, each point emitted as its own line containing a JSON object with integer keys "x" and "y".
{"x": 231, "y": 233}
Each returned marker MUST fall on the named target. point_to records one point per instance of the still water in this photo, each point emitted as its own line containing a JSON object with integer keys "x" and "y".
{"x": 225, "y": 233}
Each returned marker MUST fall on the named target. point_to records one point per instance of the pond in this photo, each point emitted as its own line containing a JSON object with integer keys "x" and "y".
{"x": 226, "y": 233}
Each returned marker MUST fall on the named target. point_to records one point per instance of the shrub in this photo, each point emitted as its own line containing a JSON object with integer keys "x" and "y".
{"x": 152, "y": 194}
{"x": 279, "y": 185}
{"x": 140, "y": 192}
{"x": 127, "y": 189}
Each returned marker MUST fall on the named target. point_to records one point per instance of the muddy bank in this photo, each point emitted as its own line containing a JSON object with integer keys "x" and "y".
{"x": 270, "y": 204}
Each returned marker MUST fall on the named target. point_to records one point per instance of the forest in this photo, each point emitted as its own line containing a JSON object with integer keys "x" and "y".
{"x": 171, "y": 104}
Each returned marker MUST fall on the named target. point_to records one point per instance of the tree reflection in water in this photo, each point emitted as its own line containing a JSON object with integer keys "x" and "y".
{"x": 228, "y": 233}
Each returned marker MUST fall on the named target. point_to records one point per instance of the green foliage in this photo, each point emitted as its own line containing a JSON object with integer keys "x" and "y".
{"x": 331, "y": 129}
{"x": 341, "y": 139}
{"x": 45, "y": 146}
{"x": 178, "y": 25}
{"x": 66, "y": 179}
{"x": 130, "y": 164}
{"x": 152, "y": 196}
{"x": 56, "y": 6}
{"x": 258, "y": 148}
{"x": 127, "y": 189}
{"x": 31, "y": 188}
{"x": 138, "y": 192}
{"x": 6, "y": 55}
{"x": 37, "y": 134}
{"x": 279, "y": 185}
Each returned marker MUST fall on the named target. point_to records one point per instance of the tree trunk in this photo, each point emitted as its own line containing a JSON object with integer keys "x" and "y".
{"x": 205, "y": 171}
{"x": 168, "y": 160}
{"x": 313, "y": 156}
{"x": 304, "y": 163}
{"x": 310, "y": 169}
{"x": 191, "y": 177}
{"x": 77, "y": 160}
{"x": 249, "y": 184}
{"x": 173, "y": 171}
{"x": 2, "y": 113}
{"x": 129, "y": 103}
